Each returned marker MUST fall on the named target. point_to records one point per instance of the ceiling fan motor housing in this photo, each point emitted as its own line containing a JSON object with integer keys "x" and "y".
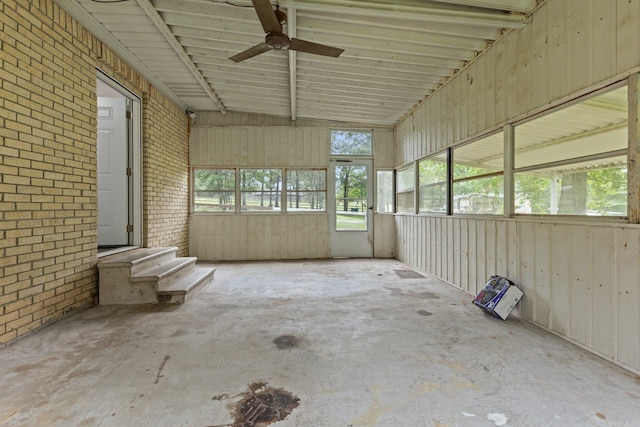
{"x": 277, "y": 40}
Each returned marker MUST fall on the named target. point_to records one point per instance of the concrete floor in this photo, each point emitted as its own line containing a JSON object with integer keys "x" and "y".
{"x": 354, "y": 342}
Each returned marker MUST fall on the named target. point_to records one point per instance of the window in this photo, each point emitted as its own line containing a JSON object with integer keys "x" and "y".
{"x": 405, "y": 189}
{"x": 573, "y": 161}
{"x": 432, "y": 184}
{"x": 214, "y": 190}
{"x": 351, "y": 143}
{"x": 384, "y": 197}
{"x": 306, "y": 190}
{"x": 478, "y": 182}
{"x": 260, "y": 190}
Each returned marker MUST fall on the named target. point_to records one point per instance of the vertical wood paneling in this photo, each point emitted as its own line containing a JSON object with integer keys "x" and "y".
{"x": 627, "y": 33}
{"x": 581, "y": 292}
{"x": 602, "y": 40}
{"x": 457, "y": 252}
{"x": 560, "y": 248}
{"x": 579, "y": 48}
{"x": 490, "y": 248}
{"x": 541, "y": 274}
{"x": 472, "y": 257}
{"x": 500, "y": 73}
{"x": 463, "y": 91}
{"x": 481, "y": 255}
{"x": 538, "y": 60}
{"x": 464, "y": 255}
{"x": 501, "y": 241}
{"x": 628, "y": 297}
{"x": 480, "y": 82}
{"x": 526, "y": 268}
{"x": 603, "y": 279}
{"x": 557, "y": 64}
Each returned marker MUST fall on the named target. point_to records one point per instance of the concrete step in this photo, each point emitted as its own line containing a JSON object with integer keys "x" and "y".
{"x": 167, "y": 271}
{"x": 177, "y": 292}
{"x": 140, "y": 259}
{"x": 150, "y": 276}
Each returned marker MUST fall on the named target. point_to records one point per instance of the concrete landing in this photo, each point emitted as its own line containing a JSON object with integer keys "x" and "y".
{"x": 343, "y": 343}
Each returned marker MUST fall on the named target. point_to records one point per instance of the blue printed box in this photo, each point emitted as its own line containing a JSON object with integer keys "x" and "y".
{"x": 498, "y": 297}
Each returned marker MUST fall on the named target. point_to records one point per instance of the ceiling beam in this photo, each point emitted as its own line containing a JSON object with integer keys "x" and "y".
{"x": 293, "y": 58}
{"x": 155, "y": 17}
{"x": 415, "y": 10}
{"x": 80, "y": 14}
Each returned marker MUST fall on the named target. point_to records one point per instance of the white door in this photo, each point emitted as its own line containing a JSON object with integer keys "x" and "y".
{"x": 113, "y": 182}
{"x": 350, "y": 208}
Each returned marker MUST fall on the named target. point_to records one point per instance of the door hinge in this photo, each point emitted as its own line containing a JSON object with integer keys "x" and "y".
{"x": 128, "y": 114}
{"x": 129, "y": 228}
{"x": 129, "y": 171}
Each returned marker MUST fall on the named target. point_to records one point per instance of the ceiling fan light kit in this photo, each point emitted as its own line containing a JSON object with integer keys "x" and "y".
{"x": 272, "y": 22}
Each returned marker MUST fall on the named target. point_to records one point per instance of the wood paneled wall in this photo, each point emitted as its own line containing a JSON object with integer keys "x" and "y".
{"x": 581, "y": 280}
{"x": 243, "y": 140}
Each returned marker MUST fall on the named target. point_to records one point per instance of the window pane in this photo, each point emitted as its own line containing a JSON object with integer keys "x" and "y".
{"x": 351, "y": 143}
{"x": 306, "y": 179}
{"x": 405, "y": 187}
{"x": 385, "y": 191}
{"x": 214, "y": 190}
{"x": 594, "y": 126}
{"x": 474, "y": 193}
{"x": 405, "y": 179}
{"x": 432, "y": 177}
{"x": 260, "y": 189}
{"x": 479, "y": 196}
{"x": 351, "y": 198}
{"x": 306, "y": 190}
{"x": 597, "y": 188}
{"x": 479, "y": 157}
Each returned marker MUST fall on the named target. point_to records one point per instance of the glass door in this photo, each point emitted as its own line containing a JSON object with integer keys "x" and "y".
{"x": 350, "y": 208}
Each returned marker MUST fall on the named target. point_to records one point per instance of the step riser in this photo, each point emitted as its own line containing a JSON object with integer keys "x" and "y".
{"x": 115, "y": 288}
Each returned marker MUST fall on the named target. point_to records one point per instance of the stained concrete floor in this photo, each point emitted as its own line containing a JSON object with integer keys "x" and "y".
{"x": 354, "y": 342}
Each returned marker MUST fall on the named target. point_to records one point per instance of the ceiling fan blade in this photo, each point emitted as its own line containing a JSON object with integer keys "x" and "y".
{"x": 251, "y": 52}
{"x": 267, "y": 16}
{"x": 315, "y": 48}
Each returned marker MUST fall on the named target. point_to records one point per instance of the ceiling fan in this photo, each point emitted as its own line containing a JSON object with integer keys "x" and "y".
{"x": 272, "y": 22}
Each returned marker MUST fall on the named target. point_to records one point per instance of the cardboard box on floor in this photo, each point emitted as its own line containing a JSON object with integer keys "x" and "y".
{"x": 498, "y": 297}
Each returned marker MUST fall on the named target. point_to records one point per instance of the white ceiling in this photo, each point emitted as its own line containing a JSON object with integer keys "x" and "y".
{"x": 396, "y": 52}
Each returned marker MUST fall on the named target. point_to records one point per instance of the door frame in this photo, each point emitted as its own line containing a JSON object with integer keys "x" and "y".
{"x": 350, "y": 243}
{"x": 134, "y": 132}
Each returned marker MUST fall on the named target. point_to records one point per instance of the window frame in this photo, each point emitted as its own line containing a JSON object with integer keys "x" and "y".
{"x": 393, "y": 191}
{"x": 577, "y": 159}
{"x": 631, "y": 153}
{"x": 238, "y": 192}
{"x": 412, "y": 190}
{"x": 194, "y": 190}
{"x": 477, "y": 177}
{"x": 285, "y": 205}
{"x": 446, "y": 182}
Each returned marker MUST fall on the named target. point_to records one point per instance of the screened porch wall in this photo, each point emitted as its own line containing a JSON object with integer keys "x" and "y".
{"x": 581, "y": 279}
{"x": 260, "y": 141}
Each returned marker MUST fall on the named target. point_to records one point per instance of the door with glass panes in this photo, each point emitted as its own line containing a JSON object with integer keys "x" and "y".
{"x": 350, "y": 194}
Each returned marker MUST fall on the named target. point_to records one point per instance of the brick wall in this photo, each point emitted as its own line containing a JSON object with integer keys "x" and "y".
{"x": 48, "y": 190}
{"x": 166, "y": 174}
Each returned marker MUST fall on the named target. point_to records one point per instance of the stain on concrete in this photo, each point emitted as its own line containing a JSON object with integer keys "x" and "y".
{"x": 159, "y": 375}
{"x": 263, "y": 405}
{"x": 409, "y": 274}
{"x": 180, "y": 333}
{"x": 285, "y": 342}
{"x": 424, "y": 313}
{"x": 397, "y": 292}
